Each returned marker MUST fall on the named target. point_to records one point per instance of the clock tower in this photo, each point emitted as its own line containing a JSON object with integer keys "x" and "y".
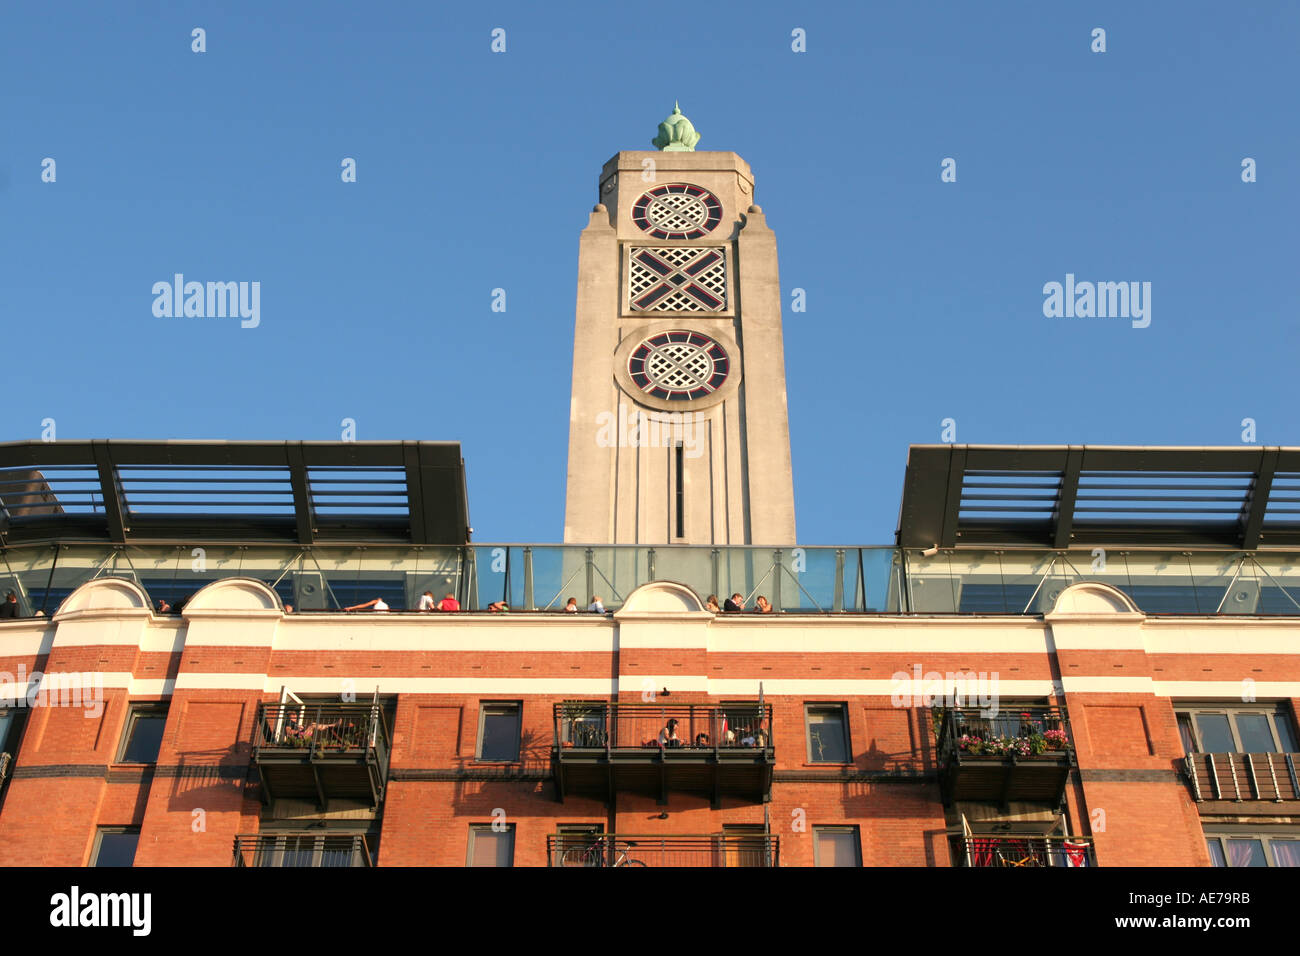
{"x": 678, "y": 430}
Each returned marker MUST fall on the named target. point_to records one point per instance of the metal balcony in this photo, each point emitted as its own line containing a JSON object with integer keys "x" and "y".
{"x": 602, "y": 748}
{"x": 1241, "y": 777}
{"x": 1025, "y": 753}
{"x": 618, "y": 849}
{"x": 302, "y": 849}
{"x": 1066, "y": 851}
{"x": 322, "y": 752}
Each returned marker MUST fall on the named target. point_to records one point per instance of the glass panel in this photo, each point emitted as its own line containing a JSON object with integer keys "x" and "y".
{"x": 1216, "y": 737}
{"x": 1185, "y": 732}
{"x": 1285, "y": 852}
{"x": 1284, "y": 734}
{"x": 826, "y": 736}
{"x": 1246, "y": 852}
{"x": 1216, "y": 852}
{"x": 837, "y": 848}
{"x": 146, "y": 738}
{"x": 116, "y": 849}
{"x": 500, "y": 734}
{"x": 1255, "y": 736}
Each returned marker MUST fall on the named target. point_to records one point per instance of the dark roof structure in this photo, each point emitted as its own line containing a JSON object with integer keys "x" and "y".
{"x": 137, "y": 492}
{"x": 1074, "y": 496}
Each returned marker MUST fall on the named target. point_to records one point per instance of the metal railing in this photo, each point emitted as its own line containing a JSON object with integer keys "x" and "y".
{"x": 1021, "y": 732}
{"x": 1067, "y": 851}
{"x": 599, "y": 725}
{"x": 319, "y": 730}
{"x": 302, "y": 849}
{"x": 1241, "y": 777}
{"x": 635, "y": 850}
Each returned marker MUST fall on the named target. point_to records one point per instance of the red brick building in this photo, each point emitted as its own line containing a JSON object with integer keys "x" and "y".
{"x": 1024, "y": 689}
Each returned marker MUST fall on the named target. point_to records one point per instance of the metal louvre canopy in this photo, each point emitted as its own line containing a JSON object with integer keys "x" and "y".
{"x": 1072, "y": 496}
{"x": 138, "y": 492}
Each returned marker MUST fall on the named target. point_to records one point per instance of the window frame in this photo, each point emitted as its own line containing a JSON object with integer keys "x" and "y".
{"x": 138, "y": 710}
{"x": 842, "y": 707}
{"x": 483, "y": 708}
{"x": 476, "y": 828}
{"x": 97, "y": 848}
{"x": 1265, "y": 834}
{"x": 850, "y": 828}
{"x": 1272, "y": 710}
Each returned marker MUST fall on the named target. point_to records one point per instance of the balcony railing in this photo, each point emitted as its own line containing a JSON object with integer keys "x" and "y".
{"x": 299, "y": 849}
{"x": 1067, "y": 851}
{"x": 322, "y": 752}
{"x": 601, "y": 747}
{"x": 1241, "y": 777}
{"x": 1023, "y": 753}
{"x": 616, "y": 849}
{"x": 807, "y": 580}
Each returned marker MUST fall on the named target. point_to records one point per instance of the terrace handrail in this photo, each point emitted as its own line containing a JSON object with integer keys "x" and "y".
{"x": 1243, "y": 776}
{"x": 660, "y": 849}
{"x": 274, "y": 849}
{"x": 323, "y": 729}
{"x": 1026, "y": 850}
{"x": 612, "y": 725}
{"x": 1017, "y": 731}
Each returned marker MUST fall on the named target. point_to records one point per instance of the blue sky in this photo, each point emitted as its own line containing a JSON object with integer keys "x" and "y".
{"x": 476, "y": 170}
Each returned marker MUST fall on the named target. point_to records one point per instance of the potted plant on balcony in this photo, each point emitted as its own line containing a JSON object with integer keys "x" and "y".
{"x": 1056, "y": 740}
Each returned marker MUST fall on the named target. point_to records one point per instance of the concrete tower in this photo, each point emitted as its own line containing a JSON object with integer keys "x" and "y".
{"x": 678, "y": 429}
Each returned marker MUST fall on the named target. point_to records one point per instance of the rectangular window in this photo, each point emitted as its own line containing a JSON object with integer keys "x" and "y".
{"x": 1220, "y": 729}
{"x": 575, "y": 844}
{"x": 498, "y": 731}
{"x": 115, "y": 846}
{"x": 582, "y": 724}
{"x": 144, "y": 733}
{"x": 489, "y": 847}
{"x": 836, "y": 846}
{"x": 1254, "y": 848}
{"x": 680, "y": 481}
{"x": 746, "y": 845}
{"x": 828, "y": 733}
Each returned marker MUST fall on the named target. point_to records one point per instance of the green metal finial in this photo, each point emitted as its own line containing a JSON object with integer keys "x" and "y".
{"x": 676, "y": 134}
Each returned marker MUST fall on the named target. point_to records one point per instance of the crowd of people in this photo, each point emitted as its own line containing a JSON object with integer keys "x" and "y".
{"x": 9, "y": 607}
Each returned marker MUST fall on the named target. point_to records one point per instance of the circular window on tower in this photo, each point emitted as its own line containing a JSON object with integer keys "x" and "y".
{"x": 677, "y": 211}
{"x": 678, "y": 365}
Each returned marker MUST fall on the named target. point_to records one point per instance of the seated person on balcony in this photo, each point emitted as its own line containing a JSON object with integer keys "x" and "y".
{"x": 734, "y": 603}
{"x": 449, "y": 603}
{"x": 702, "y": 740}
{"x": 668, "y": 736}
{"x": 426, "y": 602}
{"x": 572, "y": 606}
{"x": 764, "y": 605}
{"x": 164, "y": 607}
{"x": 9, "y": 607}
{"x": 497, "y": 606}
{"x": 595, "y": 606}
{"x": 712, "y": 604}
{"x": 378, "y": 604}
{"x": 295, "y": 731}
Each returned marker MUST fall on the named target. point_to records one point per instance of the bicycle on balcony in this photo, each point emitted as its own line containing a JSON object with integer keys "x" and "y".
{"x": 600, "y": 853}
